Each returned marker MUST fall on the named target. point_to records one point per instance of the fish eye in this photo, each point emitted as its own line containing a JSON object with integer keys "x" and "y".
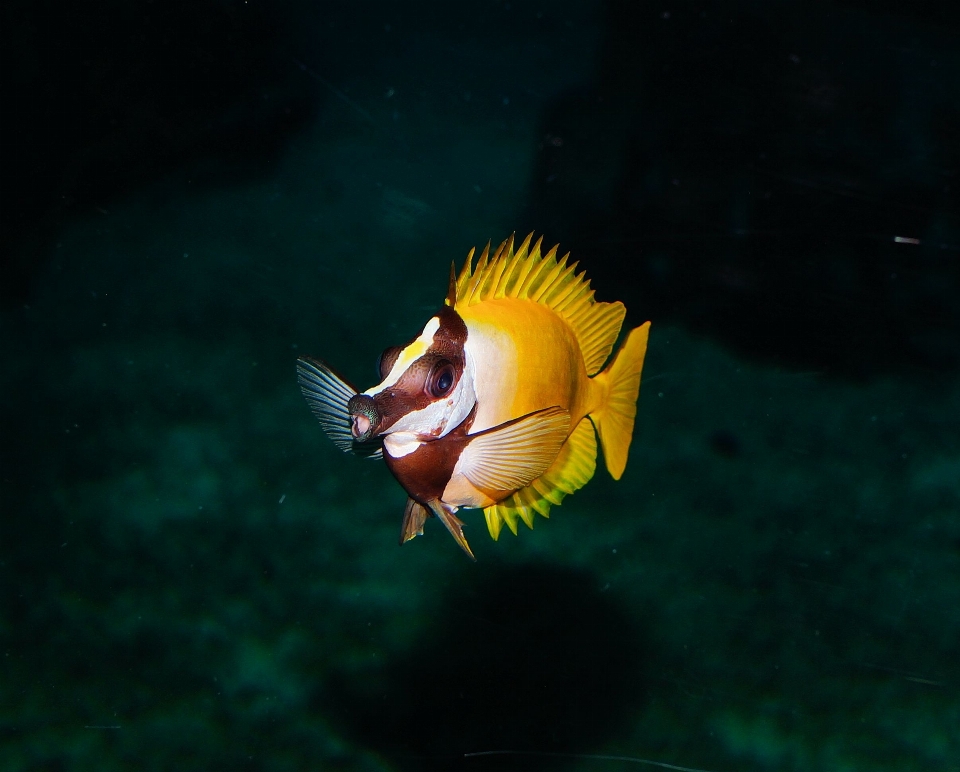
{"x": 386, "y": 360}
{"x": 441, "y": 379}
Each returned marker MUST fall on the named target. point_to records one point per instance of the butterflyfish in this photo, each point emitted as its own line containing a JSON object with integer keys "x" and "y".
{"x": 499, "y": 402}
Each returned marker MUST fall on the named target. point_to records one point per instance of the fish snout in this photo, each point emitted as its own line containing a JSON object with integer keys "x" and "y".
{"x": 364, "y": 415}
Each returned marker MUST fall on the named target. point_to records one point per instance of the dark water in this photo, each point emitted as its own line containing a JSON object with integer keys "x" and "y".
{"x": 193, "y": 577}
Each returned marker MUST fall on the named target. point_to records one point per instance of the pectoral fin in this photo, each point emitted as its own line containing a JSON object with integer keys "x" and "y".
{"x": 510, "y": 456}
{"x": 328, "y": 394}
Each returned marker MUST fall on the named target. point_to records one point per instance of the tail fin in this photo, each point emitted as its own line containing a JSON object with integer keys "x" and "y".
{"x": 614, "y": 420}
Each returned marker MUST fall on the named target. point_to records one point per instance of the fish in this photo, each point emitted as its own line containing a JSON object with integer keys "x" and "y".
{"x": 498, "y": 404}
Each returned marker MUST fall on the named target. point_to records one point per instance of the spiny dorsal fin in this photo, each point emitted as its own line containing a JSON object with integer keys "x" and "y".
{"x": 525, "y": 274}
{"x": 452, "y": 285}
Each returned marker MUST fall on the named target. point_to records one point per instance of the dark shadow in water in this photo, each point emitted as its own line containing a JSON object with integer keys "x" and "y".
{"x": 532, "y": 658}
{"x": 735, "y": 173}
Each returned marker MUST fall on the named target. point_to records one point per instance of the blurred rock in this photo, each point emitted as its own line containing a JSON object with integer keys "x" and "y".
{"x": 102, "y": 98}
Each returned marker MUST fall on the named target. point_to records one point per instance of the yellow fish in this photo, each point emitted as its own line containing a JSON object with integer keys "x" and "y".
{"x": 498, "y": 403}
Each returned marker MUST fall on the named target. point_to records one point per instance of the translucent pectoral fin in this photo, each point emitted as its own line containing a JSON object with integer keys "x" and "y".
{"x": 510, "y": 456}
{"x": 327, "y": 394}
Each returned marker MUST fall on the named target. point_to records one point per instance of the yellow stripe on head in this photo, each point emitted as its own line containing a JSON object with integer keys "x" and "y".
{"x": 408, "y": 356}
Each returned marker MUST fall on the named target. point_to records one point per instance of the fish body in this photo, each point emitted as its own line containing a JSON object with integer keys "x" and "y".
{"x": 498, "y": 403}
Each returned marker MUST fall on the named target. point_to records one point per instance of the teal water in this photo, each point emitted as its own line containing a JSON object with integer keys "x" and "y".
{"x": 194, "y": 577}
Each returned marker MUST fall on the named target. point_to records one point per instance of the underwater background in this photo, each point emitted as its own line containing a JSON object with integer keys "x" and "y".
{"x": 192, "y": 577}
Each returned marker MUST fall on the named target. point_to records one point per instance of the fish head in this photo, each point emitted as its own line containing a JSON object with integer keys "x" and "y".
{"x": 426, "y": 388}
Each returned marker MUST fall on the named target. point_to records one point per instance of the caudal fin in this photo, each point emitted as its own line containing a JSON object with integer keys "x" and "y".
{"x": 614, "y": 420}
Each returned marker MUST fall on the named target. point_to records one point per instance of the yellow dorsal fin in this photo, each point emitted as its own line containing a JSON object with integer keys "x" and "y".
{"x": 526, "y": 274}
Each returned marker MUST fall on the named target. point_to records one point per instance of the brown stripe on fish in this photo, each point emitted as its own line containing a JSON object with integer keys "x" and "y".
{"x": 425, "y": 472}
{"x": 430, "y": 377}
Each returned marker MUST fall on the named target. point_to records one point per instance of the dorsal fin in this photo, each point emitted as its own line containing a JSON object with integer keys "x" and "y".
{"x": 525, "y": 274}
{"x": 452, "y": 284}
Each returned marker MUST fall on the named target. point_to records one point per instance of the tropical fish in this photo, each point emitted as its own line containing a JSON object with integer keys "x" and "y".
{"x": 497, "y": 404}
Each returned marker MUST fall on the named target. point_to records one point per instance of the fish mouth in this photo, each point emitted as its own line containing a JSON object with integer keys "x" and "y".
{"x": 361, "y": 427}
{"x": 364, "y": 417}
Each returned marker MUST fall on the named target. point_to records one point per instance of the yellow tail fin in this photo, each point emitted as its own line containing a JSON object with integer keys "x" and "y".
{"x": 614, "y": 420}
